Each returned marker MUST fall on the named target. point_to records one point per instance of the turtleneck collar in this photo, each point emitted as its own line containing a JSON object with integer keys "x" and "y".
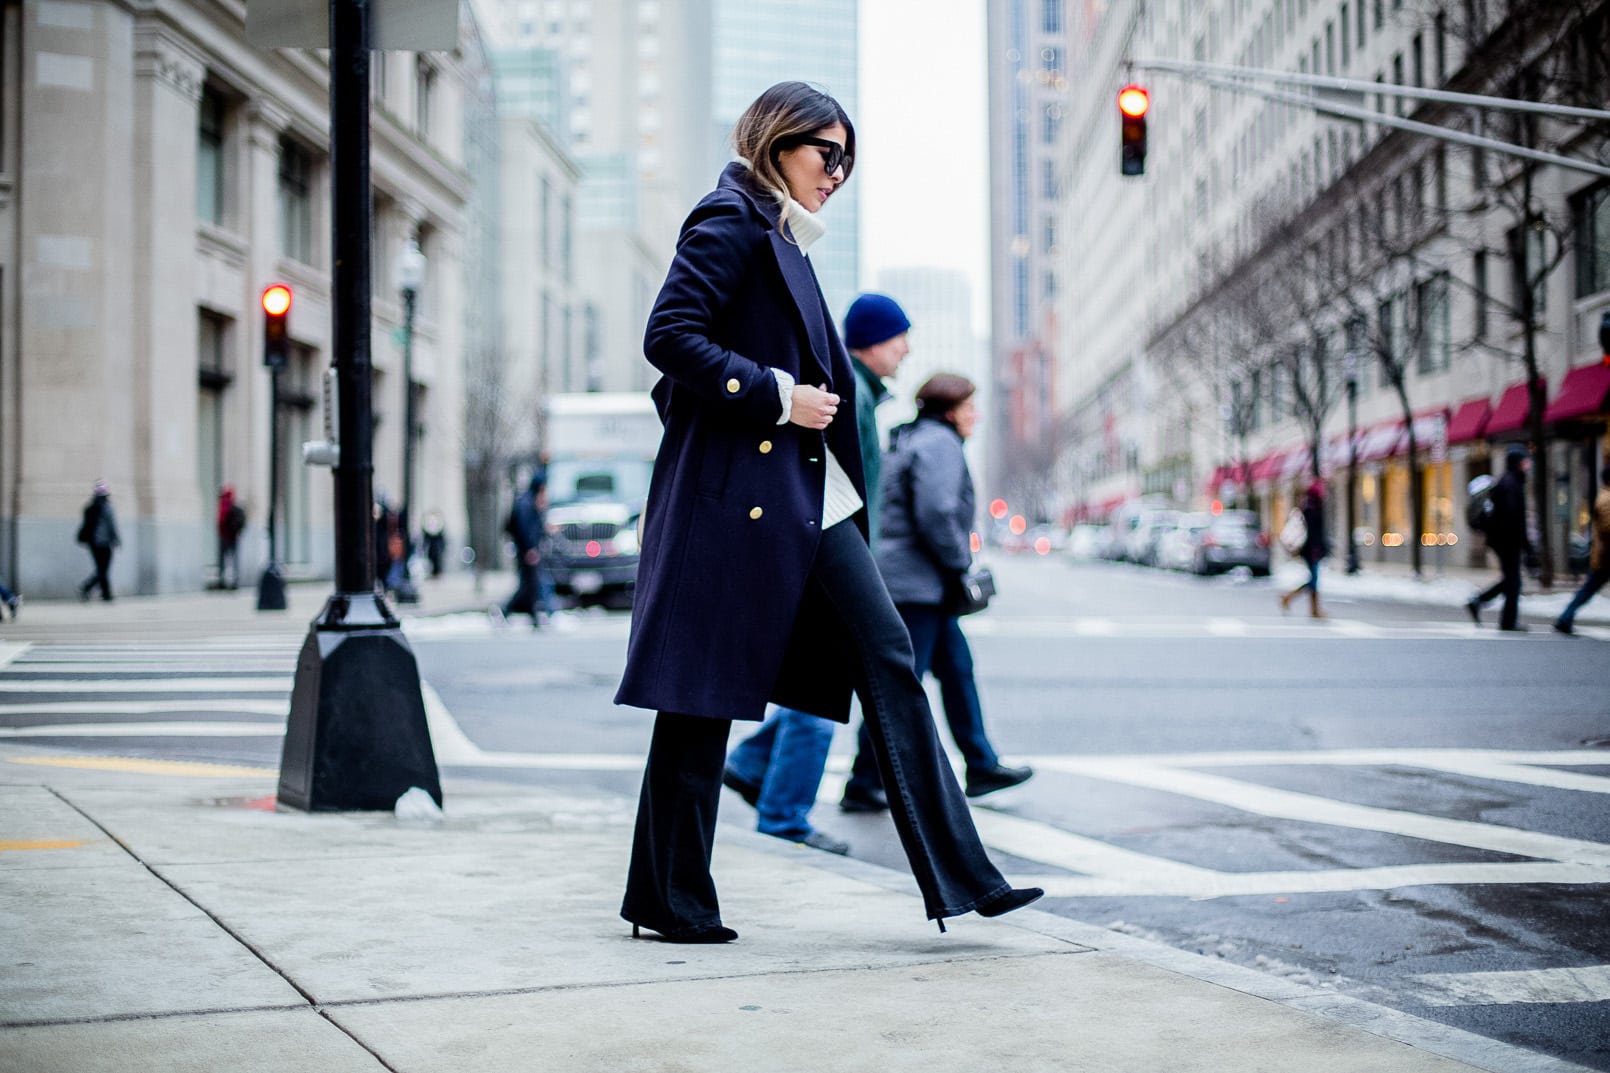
{"x": 805, "y": 225}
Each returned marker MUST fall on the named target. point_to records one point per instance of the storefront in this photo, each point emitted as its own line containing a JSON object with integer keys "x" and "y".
{"x": 1575, "y": 423}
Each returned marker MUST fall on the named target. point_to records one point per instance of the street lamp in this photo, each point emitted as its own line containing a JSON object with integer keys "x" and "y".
{"x": 1350, "y": 371}
{"x": 409, "y": 275}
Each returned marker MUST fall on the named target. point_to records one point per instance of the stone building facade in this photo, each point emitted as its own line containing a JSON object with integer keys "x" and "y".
{"x": 157, "y": 171}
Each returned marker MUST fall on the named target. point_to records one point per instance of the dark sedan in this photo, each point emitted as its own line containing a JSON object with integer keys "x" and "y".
{"x": 1234, "y": 539}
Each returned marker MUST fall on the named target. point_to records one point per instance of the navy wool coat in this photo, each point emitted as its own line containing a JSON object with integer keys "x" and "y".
{"x": 723, "y": 619}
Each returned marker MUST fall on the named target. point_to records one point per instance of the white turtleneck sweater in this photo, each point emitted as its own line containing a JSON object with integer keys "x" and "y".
{"x": 839, "y": 497}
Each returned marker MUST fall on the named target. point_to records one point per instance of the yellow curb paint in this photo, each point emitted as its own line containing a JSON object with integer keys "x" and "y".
{"x": 132, "y": 766}
{"x": 8, "y": 847}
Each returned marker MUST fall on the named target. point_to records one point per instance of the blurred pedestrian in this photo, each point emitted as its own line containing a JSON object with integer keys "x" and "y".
{"x": 383, "y": 543}
{"x": 1598, "y": 559}
{"x": 925, "y": 546}
{"x": 528, "y": 528}
{"x": 778, "y": 769}
{"x": 435, "y": 529}
{"x": 12, "y": 602}
{"x": 1312, "y": 549}
{"x": 231, "y": 520}
{"x": 1508, "y": 539}
{"x": 755, "y": 582}
{"x": 98, "y": 532}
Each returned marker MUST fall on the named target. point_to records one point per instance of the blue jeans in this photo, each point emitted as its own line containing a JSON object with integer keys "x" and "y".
{"x": 938, "y": 644}
{"x": 785, "y": 758}
{"x": 1595, "y": 581}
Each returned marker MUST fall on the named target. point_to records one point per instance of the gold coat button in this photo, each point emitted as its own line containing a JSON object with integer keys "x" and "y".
{"x": 756, "y": 512}
{"x": 765, "y": 447}
{"x": 733, "y": 386}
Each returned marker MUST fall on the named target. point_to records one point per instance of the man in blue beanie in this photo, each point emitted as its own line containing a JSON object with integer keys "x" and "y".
{"x": 778, "y": 768}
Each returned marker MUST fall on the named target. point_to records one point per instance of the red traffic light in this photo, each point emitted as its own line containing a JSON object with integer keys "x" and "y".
{"x": 1133, "y": 101}
{"x": 276, "y": 299}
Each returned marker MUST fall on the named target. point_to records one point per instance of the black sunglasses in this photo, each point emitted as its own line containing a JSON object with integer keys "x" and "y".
{"x": 832, "y": 159}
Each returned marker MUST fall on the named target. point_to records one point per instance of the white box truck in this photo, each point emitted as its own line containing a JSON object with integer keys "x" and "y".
{"x": 600, "y": 448}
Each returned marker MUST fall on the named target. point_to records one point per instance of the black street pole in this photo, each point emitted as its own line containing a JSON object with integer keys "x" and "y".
{"x": 271, "y": 586}
{"x": 357, "y": 736}
{"x": 1352, "y": 473}
{"x": 406, "y": 593}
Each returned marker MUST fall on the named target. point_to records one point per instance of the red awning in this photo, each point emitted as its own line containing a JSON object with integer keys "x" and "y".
{"x": 1584, "y": 391}
{"x": 1380, "y": 442}
{"x": 1510, "y": 413}
{"x": 1469, "y": 421}
{"x": 1269, "y": 466}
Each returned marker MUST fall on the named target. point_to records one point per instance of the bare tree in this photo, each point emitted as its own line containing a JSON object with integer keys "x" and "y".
{"x": 500, "y": 422}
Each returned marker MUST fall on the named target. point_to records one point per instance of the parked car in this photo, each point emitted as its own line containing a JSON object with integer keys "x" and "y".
{"x": 1090, "y": 541}
{"x": 1157, "y": 526}
{"x": 1233, "y": 539}
{"x": 1176, "y": 549}
{"x": 1132, "y": 526}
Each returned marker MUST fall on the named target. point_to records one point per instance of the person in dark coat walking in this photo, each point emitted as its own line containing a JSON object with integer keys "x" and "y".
{"x": 1508, "y": 539}
{"x": 1315, "y": 548}
{"x": 1598, "y": 560}
{"x": 98, "y": 532}
{"x": 528, "y": 528}
{"x": 778, "y": 769}
{"x": 925, "y": 548}
{"x": 755, "y": 583}
{"x": 230, "y": 521}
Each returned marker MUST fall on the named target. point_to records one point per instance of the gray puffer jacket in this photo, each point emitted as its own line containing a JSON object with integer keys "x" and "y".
{"x": 926, "y": 522}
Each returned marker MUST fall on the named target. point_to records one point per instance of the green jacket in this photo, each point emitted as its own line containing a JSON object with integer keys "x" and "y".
{"x": 869, "y": 394}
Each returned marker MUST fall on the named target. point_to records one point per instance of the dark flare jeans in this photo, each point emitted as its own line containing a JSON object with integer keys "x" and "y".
{"x": 668, "y": 884}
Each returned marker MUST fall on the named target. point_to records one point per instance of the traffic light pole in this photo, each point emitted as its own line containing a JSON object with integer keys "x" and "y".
{"x": 357, "y": 736}
{"x": 1240, "y": 79}
{"x": 271, "y": 586}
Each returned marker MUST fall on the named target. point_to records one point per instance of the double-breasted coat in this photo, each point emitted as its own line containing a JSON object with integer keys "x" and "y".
{"x": 724, "y": 619}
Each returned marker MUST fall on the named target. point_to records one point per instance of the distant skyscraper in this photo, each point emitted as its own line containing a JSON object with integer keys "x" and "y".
{"x": 758, "y": 43}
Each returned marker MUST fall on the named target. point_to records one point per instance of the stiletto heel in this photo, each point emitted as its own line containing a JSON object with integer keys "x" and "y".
{"x": 941, "y": 924}
{"x": 708, "y": 933}
{"x": 634, "y": 931}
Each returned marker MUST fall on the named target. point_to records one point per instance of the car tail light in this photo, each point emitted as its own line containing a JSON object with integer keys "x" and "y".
{"x": 1263, "y": 540}
{"x": 1207, "y": 540}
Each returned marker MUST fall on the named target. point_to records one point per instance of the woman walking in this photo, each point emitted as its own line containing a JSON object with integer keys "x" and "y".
{"x": 925, "y": 547}
{"x": 755, "y": 582}
{"x": 1313, "y": 550}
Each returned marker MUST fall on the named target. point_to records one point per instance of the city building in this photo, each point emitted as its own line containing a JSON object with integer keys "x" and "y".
{"x": 1028, "y": 93}
{"x": 758, "y": 43}
{"x": 1220, "y": 311}
{"x": 157, "y": 171}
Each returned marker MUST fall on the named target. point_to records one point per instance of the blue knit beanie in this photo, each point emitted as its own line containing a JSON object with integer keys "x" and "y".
{"x": 872, "y": 319}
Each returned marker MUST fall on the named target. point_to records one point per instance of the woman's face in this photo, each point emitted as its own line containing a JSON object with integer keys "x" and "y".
{"x": 965, "y": 417}
{"x": 804, "y": 169}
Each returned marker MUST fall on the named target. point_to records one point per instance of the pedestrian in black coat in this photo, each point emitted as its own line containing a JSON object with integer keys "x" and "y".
{"x": 1315, "y": 548}
{"x": 98, "y": 532}
{"x": 755, "y": 583}
{"x": 1508, "y": 539}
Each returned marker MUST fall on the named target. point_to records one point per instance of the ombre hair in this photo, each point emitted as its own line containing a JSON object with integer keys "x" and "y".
{"x": 785, "y": 112}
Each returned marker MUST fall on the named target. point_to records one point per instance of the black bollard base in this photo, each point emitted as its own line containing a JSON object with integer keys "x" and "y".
{"x": 271, "y": 589}
{"x": 357, "y": 737}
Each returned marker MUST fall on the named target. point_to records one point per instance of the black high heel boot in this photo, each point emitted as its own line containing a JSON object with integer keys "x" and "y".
{"x": 708, "y": 933}
{"x": 1008, "y": 900}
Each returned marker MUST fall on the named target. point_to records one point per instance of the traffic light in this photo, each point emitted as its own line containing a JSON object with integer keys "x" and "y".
{"x": 1133, "y": 103}
{"x": 276, "y": 341}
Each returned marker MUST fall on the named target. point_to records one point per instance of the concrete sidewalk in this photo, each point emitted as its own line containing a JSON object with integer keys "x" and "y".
{"x": 163, "y": 917}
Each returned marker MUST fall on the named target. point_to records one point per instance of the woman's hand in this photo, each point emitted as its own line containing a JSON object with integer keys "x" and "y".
{"x": 813, "y": 407}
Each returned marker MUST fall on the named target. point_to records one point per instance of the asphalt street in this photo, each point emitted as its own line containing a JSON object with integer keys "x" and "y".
{"x": 1389, "y": 803}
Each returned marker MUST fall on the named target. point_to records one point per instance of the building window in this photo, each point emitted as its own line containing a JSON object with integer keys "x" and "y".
{"x": 1397, "y": 79}
{"x": 1051, "y": 16}
{"x": 1380, "y": 13}
{"x": 567, "y": 262}
{"x": 1593, "y": 242}
{"x": 1439, "y": 29}
{"x": 296, "y": 202}
{"x": 1347, "y": 40}
{"x": 1050, "y": 234}
{"x": 377, "y": 76}
{"x": 1478, "y": 273}
{"x": 1051, "y": 59}
{"x": 1387, "y": 326}
{"x": 1360, "y": 23}
{"x": 213, "y": 377}
{"x": 1528, "y": 252}
{"x": 1330, "y": 47}
{"x": 1052, "y": 119}
{"x": 1417, "y": 54}
{"x": 545, "y": 222}
{"x": 1048, "y": 179}
{"x": 1431, "y": 308}
{"x": 210, "y": 158}
{"x": 424, "y": 88}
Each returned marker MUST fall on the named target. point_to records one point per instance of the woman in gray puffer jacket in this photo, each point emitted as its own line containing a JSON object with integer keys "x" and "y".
{"x": 925, "y": 535}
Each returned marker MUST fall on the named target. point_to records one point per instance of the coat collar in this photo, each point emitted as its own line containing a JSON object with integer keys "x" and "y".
{"x": 796, "y": 270}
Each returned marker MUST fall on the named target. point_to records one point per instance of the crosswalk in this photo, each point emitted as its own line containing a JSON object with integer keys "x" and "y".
{"x": 221, "y": 688}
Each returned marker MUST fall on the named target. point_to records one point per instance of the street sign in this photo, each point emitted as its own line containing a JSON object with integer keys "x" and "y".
{"x": 399, "y": 25}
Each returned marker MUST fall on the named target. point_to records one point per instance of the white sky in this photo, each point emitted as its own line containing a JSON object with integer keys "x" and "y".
{"x": 922, "y": 140}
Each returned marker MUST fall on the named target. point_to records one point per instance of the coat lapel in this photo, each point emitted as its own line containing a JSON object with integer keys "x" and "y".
{"x": 802, "y": 288}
